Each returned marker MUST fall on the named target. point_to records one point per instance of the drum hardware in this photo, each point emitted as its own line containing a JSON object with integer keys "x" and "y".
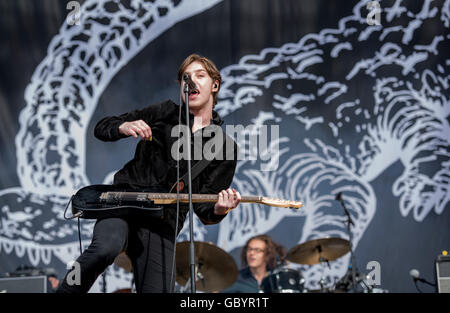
{"x": 353, "y": 280}
{"x": 198, "y": 278}
{"x": 322, "y": 276}
{"x": 283, "y": 280}
{"x": 311, "y": 252}
{"x": 349, "y": 222}
{"x": 322, "y": 251}
{"x": 346, "y": 283}
{"x": 319, "y": 251}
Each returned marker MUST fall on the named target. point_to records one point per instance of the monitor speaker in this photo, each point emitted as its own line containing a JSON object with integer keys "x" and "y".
{"x": 27, "y": 284}
{"x": 443, "y": 273}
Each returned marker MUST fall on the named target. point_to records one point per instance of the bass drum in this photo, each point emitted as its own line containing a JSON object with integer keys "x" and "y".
{"x": 283, "y": 280}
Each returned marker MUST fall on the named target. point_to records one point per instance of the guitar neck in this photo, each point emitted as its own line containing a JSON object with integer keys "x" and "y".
{"x": 198, "y": 198}
{"x": 168, "y": 198}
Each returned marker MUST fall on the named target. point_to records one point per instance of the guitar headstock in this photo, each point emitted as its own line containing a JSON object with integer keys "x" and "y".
{"x": 281, "y": 203}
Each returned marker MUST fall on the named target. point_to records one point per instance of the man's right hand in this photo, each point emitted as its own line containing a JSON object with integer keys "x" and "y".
{"x": 135, "y": 129}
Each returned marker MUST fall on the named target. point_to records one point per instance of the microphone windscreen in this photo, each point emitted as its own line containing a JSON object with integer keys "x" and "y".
{"x": 414, "y": 273}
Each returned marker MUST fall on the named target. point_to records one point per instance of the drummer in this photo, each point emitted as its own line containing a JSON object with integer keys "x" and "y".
{"x": 259, "y": 256}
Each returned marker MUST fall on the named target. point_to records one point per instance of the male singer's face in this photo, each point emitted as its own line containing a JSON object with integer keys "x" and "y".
{"x": 203, "y": 96}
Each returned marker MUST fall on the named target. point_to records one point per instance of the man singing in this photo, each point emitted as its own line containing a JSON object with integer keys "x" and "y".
{"x": 149, "y": 241}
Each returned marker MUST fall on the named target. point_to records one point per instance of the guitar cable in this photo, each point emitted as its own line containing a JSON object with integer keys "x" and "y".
{"x": 79, "y": 236}
{"x": 69, "y": 218}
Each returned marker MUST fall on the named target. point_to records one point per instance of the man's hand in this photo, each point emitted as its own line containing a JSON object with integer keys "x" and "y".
{"x": 136, "y": 128}
{"x": 228, "y": 200}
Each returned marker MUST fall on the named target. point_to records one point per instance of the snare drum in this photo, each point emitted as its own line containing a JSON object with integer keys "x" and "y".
{"x": 283, "y": 280}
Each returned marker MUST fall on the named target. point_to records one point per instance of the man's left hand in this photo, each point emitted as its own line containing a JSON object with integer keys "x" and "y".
{"x": 228, "y": 200}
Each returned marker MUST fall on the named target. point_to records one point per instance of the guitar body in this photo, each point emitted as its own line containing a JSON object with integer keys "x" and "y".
{"x": 88, "y": 203}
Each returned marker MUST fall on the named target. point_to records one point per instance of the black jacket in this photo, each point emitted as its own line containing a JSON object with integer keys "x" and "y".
{"x": 245, "y": 283}
{"x": 153, "y": 165}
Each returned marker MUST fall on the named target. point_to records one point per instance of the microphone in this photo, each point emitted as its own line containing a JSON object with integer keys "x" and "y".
{"x": 415, "y": 274}
{"x": 187, "y": 79}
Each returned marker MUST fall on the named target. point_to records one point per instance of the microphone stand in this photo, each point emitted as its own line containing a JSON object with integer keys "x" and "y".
{"x": 191, "y": 210}
{"x": 349, "y": 222}
{"x": 417, "y": 287}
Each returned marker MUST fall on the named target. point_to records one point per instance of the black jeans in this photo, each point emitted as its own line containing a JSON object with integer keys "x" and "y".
{"x": 150, "y": 251}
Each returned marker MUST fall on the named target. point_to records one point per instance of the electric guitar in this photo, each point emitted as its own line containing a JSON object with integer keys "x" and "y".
{"x": 98, "y": 201}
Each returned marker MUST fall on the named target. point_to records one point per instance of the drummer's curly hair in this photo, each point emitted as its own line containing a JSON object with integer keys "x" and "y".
{"x": 272, "y": 250}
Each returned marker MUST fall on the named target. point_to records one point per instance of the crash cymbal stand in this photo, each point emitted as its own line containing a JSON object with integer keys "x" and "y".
{"x": 349, "y": 222}
{"x": 322, "y": 262}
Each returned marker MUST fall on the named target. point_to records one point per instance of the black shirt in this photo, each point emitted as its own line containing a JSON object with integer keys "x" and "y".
{"x": 246, "y": 283}
{"x": 153, "y": 164}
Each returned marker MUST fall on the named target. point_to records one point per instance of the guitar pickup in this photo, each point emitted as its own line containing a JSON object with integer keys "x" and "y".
{"x": 141, "y": 197}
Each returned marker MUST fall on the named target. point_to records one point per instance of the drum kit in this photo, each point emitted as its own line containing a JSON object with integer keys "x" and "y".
{"x": 313, "y": 252}
{"x": 216, "y": 270}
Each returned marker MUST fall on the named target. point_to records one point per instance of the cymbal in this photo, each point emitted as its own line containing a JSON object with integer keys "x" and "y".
{"x": 311, "y": 251}
{"x": 123, "y": 261}
{"x": 216, "y": 270}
